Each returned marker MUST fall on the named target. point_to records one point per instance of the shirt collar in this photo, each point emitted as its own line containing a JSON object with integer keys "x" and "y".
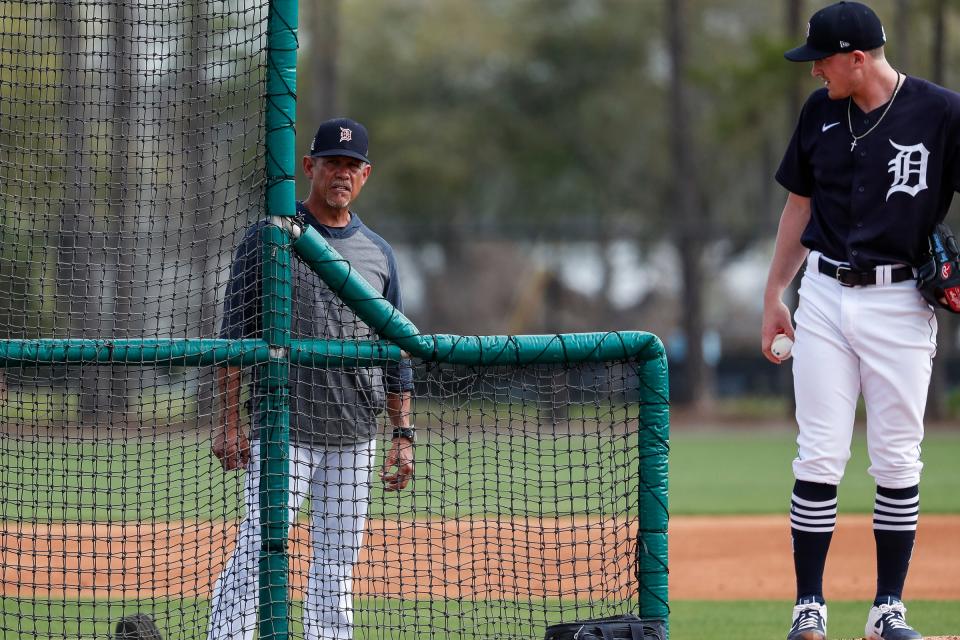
{"x": 330, "y": 232}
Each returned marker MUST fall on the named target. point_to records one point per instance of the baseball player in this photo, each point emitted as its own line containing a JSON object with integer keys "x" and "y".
{"x": 870, "y": 170}
{"x": 333, "y": 416}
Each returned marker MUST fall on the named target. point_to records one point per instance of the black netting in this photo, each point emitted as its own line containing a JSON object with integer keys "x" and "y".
{"x": 132, "y": 165}
{"x": 524, "y": 510}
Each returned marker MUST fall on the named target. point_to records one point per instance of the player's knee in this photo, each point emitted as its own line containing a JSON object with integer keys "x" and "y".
{"x": 897, "y": 478}
{"x": 822, "y": 470}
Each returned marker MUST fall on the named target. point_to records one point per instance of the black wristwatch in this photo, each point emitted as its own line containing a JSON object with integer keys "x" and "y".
{"x": 410, "y": 433}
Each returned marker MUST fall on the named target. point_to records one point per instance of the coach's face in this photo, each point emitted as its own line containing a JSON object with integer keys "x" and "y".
{"x": 839, "y": 73}
{"x": 337, "y": 180}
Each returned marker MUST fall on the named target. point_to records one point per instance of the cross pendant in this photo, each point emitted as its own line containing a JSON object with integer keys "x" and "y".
{"x": 852, "y": 145}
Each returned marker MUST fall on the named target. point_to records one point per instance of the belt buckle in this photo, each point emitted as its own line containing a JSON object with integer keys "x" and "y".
{"x": 840, "y": 269}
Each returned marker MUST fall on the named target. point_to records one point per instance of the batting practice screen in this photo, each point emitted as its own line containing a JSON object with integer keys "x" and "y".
{"x": 142, "y": 144}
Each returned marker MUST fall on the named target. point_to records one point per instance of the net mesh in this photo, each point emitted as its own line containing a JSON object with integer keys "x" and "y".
{"x": 131, "y": 167}
{"x": 524, "y": 511}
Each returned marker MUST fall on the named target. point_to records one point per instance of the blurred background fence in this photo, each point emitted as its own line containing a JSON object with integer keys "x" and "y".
{"x": 540, "y": 166}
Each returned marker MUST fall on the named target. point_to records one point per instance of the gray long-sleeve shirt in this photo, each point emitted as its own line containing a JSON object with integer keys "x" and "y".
{"x": 330, "y": 406}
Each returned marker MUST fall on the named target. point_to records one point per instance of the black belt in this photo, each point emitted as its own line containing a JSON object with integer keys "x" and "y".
{"x": 849, "y": 277}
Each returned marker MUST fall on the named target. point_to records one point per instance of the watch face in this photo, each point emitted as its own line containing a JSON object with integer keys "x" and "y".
{"x": 405, "y": 432}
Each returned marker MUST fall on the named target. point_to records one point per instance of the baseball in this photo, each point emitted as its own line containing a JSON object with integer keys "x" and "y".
{"x": 781, "y": 346}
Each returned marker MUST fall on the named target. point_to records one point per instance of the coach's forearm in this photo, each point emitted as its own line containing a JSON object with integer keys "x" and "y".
{"x": 788, "y": 253}
{"x": 398, "y": 408}
{"x": 229, "y": 381}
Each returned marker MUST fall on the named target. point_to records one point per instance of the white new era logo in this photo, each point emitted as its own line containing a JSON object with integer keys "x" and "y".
{"x": 844, "y": 44}
{"x": 346, "y": 135}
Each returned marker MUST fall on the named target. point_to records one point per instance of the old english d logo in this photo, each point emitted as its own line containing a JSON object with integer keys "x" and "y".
{"x": 909, "y": 169}
{"x": 346, "y": 135}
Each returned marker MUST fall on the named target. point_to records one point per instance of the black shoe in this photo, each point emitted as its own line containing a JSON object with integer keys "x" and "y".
{"x": 809, "y": 622}
{"x": 887, "y": 622}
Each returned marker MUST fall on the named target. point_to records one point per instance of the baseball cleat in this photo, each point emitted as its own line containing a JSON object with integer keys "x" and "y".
{"x": 886, "y": 622}
{"x": 809, "y": 622}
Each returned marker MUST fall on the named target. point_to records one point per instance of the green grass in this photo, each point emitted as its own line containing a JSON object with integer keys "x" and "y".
{"x": 711, "y": 473}
{"x": 186, "y": 619}
{"x": 42, "y": 407}
{"x": 21, "y": 619}
{"x": 177, "y": 478}
{"x": 749, "y": 472}
{"x": 765, "y": 619}
{"x": 518, "y": 474}
{"x": 162, "y": 405}
{"x": 161, "y": 479}
{"x": 174, "y": 477}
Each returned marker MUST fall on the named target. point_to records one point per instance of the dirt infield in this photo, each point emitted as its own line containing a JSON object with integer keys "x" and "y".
{"x": 714, "y": 558}
{"x": 738, "y": 558}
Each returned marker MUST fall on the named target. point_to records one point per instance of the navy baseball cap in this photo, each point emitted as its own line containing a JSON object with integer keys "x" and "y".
{"x": 839, "y": 28}
{"x": 340, "y": 137}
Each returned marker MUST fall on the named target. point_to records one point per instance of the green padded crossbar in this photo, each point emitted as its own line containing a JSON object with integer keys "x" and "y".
{"x": 646, "y": 348}
{"x": 392, "y": 325}
{"x": 193, "y": 352}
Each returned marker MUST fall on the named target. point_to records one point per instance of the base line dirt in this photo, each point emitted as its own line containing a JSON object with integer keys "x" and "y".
{"x": 749, "y": 558}
{"x": 712, "y": 558}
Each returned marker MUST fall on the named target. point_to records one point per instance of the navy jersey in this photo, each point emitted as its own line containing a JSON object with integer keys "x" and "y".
{"x": 878, "y": 202}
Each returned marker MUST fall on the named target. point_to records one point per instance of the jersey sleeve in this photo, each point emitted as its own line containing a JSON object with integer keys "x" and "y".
{"x": 795, "y": 173}
{"x": 399, "y": 376}
{"x": 241, "y": 315}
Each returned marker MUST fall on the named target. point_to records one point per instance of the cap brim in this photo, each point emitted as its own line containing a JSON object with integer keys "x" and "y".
{"x": 340, "y": 152}
{"x": 806, "y": 53}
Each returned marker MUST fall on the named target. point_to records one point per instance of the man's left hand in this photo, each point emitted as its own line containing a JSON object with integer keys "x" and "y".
{"x": 398, "y": 465}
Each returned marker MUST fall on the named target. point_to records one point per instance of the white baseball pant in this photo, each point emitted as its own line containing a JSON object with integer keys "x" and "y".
{"x": 337, "y": 482}
{"x": 878, "y": 341}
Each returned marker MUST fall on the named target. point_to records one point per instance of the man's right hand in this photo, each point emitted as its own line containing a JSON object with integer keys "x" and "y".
{"x": 776, "y": 320}
{"x": 232, "y": 448}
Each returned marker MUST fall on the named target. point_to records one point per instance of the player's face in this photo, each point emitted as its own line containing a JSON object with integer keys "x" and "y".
{"x": 837, "y": 74}
{"x": 336, "y": 179}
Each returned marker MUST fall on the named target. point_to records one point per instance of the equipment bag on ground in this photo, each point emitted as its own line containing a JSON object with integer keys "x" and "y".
{"x": 625, "y": 627}
{"x": 139, "y": 626}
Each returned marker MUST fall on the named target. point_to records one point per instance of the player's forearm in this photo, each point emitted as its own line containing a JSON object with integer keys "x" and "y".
{"x": 398, "y": 408}
{"x": 229, "y": 382}
{"x": 788, "y": 254}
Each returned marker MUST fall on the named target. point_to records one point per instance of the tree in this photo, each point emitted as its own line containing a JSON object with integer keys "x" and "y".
{"x": 76, "y": 275}
{"x": 691, "y": 216}
{"x": 322, "y": 91}
{"x": 947, "y": 333}
{"x": 121, "y": 253}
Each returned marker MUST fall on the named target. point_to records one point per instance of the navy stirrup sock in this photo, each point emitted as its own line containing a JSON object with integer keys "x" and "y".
{"x": 895, "y": 515}
{"x": 813, "y": 517}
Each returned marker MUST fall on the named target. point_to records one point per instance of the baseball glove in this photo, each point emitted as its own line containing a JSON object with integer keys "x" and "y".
{"x": 938, "y": 279}
{"x": 137, "y": 627}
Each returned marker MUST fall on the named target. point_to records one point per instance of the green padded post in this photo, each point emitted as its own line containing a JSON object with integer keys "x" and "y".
{"x": 654, "y": 444}
{"x": 280, "y": 200}
{"x": 274, "y": 421}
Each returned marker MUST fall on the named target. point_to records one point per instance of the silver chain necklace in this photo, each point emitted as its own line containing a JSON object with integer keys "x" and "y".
{"x": 855, "y": 137}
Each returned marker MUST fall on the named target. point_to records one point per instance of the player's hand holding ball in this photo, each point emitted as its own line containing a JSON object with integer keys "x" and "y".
{"x": 781, "y": 346}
